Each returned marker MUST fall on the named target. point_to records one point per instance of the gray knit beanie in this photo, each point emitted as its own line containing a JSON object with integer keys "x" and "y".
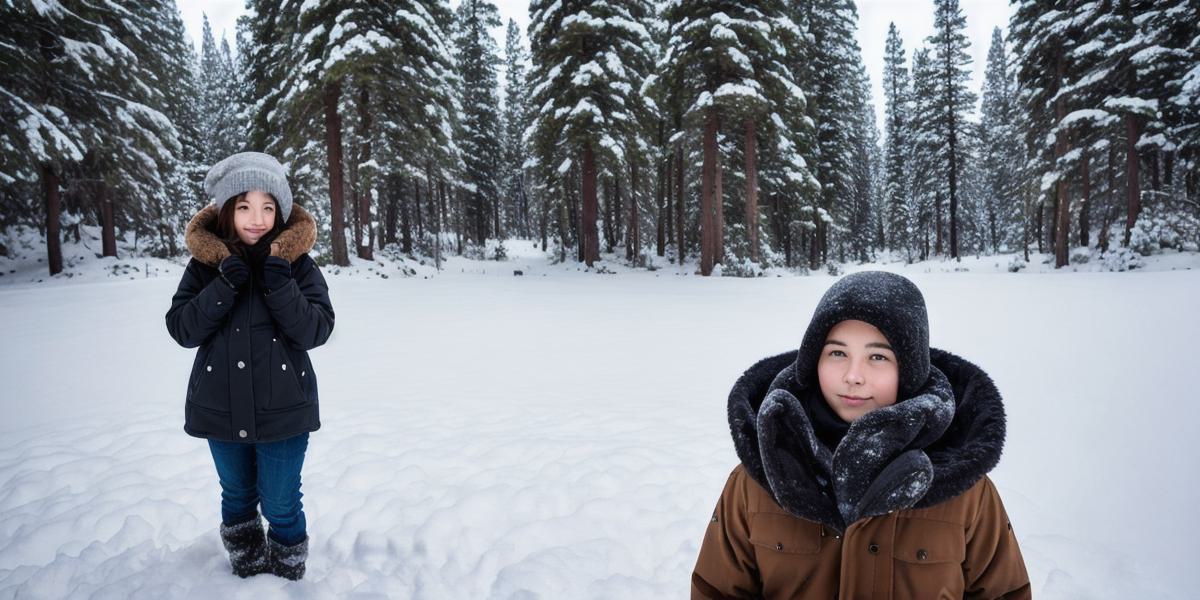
{"x": 246, "y": 171}
{"x": 891, "y": 303}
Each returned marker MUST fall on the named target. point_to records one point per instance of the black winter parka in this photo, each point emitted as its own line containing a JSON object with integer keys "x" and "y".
{"x": 252, "y": 380}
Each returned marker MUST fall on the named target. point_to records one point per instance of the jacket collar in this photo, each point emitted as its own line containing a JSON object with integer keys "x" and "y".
{"x": 915, "y": 453}
{"x": 297, "y": 238}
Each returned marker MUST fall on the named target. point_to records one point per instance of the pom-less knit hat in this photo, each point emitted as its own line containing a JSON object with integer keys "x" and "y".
{"x": 246, "y": 171}
{"x": 891, "y": 303}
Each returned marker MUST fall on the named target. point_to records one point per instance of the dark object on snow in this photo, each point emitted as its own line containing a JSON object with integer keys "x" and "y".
{"x": 287, "y": 561}
{"x": 252, "y": 380}
{"x": 518, "y": 273}
{"x": 888, "y": 301}
{"x": 247, "y": 547}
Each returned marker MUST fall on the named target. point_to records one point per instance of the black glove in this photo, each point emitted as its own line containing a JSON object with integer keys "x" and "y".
{"x": 234, "y": 272}
{"x": 276, "y": 273}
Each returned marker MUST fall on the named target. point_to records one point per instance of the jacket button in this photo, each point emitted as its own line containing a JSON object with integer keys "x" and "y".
{"x": 241, "y": 365}
{"x": 272, "y": 339}
{"x": 302, "y": 373}
{"x": 873, "y": 549}
{"x": 219, "y": 303}
{"x": 922, "y": 555}
{"x": 208, "y": 368}
{"x": 242, "y": 433}
{"x": 779, "y": 546}
{"x": 283, "y": 366}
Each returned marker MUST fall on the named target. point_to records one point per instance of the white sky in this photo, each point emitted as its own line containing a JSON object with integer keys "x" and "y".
{"x": 913, "y": 18}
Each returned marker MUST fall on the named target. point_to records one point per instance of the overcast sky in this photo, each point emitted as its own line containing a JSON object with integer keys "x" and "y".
{"x": 913, "y": 18}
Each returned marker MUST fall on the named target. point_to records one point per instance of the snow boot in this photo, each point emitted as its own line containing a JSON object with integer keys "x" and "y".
{"x": 287, "y": 561}
{"x": 247, "y": 547}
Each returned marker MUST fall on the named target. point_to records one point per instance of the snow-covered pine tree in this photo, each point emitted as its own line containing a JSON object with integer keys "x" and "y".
{"x": 859, "y": 224}
{"x": 583, "y": 93}
{"x": 1001, "y": 154}
{"x": 45, "y": 99}
{"x": 84, "y": 108}
{"x": 834, "y": 105}
{"x": 161, "y": 218}
{"x": 218, "y": 99}
{"x": 949, "y": 44}
{"x": 897, "y": 145}
{"x": 728, "y": 62}
{"x": 926, "y": 167}
{"x": 515, "y": 120}
{"x": 478, "y": 59}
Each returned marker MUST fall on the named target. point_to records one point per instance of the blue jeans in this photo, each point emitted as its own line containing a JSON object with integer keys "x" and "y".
{"x": 268, "y": 473}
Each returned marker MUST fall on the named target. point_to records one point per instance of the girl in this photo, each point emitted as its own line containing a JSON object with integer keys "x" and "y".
{"x": 254, "y": 302}
{"x": 864, "y": 461}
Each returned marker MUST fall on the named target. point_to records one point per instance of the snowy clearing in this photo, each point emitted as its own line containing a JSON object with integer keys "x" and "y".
{"x": 564, "y": 436}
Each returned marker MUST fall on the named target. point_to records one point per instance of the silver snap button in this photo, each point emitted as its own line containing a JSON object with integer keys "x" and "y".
{"x": 208, "y": 368}
{"x": 219, "y": 303}
{"x": 241, "y": 365}
{"x": 272, "y": 339}
{"x": 302, "y": 373}
{"x": 242, "y": 433}
{"x": 283, "y": 366}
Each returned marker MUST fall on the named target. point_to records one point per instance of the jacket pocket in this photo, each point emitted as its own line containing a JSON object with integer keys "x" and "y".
{"x": 286, "y": 391}
{"x": 929, "y": 559}
{"x": 784, "y": 533}
{"x": 201, "y": 391}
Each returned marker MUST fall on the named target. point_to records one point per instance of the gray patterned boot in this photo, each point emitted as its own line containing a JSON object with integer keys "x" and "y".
{"x": 246, "y": 545}
{"x": 287, "y": 561}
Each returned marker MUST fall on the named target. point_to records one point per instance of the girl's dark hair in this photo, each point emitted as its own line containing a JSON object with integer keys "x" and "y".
{"x": 228, "y": 233}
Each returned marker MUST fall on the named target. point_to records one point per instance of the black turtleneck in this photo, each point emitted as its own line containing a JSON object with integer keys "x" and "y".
{"x": 829, "y": 427}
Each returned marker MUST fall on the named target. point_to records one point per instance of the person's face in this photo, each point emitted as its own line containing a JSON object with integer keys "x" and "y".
{"x": 253, "y": 216}
{"x": 857, "y": 370}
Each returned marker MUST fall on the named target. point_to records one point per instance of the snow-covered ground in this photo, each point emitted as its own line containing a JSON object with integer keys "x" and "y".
{"x": 562, "y": 434}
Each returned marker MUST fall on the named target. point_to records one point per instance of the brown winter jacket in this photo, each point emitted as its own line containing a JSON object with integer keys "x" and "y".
{"x": 901, "y": 509}
{"x": 961, "y": 548}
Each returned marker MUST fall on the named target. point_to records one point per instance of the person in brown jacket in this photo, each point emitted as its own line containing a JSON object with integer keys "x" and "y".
{"x": 864, "y": 461}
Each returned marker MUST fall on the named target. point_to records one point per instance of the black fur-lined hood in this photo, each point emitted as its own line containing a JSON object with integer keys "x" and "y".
{"x": 921, "y": 451}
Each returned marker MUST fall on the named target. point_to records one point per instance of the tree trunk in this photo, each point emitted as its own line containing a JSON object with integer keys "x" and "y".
{"x": 363, "y": 191}
{"x": 937, "y": 223}
{"x": 608, "y": 217}
{"x": 108, "y": 228}
{"x": 1062, "y": 144}
{"x": 708, "y": 221}
{"x": 53, "y": 208}
{"x": 681, "y": 250}
{"x": 633, "y": 249}
{"x": 752, "y": 188}
{"x": 1038, "y": 227}
{"x": 718, "y": 203}
{"x": 589, "y": 238}
{"x": 333, "y": 150}
{"x": 391, "y": 211}
{"x": 1085, "y": 203}
{"x": 1133, "y": 196}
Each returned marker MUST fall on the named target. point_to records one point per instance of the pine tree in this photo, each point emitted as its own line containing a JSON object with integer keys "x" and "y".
{"x": 482, "y": 151}
{"x": 898, "y": 146}
{"x": 515, "y": 120}
{"x": 583, "y": 92}
{"x": 949, "y": 44}
{"x": 1000, "y": 152}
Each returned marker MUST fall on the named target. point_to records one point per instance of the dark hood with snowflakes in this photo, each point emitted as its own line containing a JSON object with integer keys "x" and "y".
{"x": 927, "y": 448}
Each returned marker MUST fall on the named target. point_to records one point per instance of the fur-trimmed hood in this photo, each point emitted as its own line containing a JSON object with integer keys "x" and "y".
{"x": 918, "y": 452}
{"x": 297, "y": 238}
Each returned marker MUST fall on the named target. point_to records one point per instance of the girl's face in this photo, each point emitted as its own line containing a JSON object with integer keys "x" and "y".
{"x": 254, "y": 216}
{"x": 857, "y": 370}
